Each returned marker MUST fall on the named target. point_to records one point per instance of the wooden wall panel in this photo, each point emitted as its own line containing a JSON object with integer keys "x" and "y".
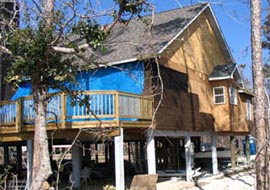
{"x": 180, "y": 109}
{"x": 221, "y": 112}
{"x": 230, "y": 117}
{"x": 195, "y": 53}
{"x": 197, "y": 49}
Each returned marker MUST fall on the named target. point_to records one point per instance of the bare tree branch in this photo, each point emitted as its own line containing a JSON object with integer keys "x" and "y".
{"x": 5, "y": 50}
{"x": 70, "y": 50}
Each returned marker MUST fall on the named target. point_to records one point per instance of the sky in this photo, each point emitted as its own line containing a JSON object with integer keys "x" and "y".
{"x": 233, "y": 17}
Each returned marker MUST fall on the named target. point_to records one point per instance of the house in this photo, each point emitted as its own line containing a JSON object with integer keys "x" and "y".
{"x": 162, "y": 88}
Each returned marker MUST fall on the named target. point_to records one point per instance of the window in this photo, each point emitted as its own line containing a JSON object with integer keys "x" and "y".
{"x": 233, "y": 96}
{"x": 248, "y": 104}
{"x": 219, "y": 95}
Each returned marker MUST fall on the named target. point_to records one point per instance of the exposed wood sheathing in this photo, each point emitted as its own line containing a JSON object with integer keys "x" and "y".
{"x": 190, "y": 106}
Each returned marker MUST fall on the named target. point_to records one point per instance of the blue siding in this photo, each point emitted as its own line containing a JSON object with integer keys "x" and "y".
{"x": 126, "y": 78}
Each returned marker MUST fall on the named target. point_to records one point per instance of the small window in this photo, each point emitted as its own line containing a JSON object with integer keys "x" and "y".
{"x": 233, "y": 96}
{"x": 219, "y": 95}
{"x": 248, "y": 104}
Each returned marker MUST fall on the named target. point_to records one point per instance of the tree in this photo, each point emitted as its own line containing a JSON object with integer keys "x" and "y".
{"x": 43, "y": 50}
{"x": 261, "y": 163}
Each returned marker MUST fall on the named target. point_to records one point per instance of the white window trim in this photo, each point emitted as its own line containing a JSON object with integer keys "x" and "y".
{"x": 214, "y": 95}
{"x": 233, "y": 97}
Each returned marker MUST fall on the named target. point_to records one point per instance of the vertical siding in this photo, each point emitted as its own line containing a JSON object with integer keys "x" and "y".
{"x": 195, "y": 53}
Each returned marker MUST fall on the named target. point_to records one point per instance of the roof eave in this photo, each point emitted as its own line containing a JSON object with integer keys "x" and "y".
{"x": 219, "y": 78}
{"x": 243, "y": 91}
{"x": 142, "y": 57}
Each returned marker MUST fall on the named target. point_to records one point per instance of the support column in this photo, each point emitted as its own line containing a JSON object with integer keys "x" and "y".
{"x": 214, "y": 155}
{"x": 137, "y": 156}
{"x": 50, "y": 148}
{"x": 233, "y": 151}
{"x": 19, "y": 158}
{"x": 96, "y": 150}
{"x": 6, "y": 155}
{"x": 142, "y": 156}
{"x": 106, "y": 154}
{"x": 29, "y": 163}
{"x": 151, "y": 154}
{"x": 76, "y": 166}
{"x": 247, "y": 148}
{"x": 119, "y": 161}
{"x": 111, "y": 156}
{"x": 188, "y": 158}
{"x": 87, "y": 155}
{"x": 129, "y": 153}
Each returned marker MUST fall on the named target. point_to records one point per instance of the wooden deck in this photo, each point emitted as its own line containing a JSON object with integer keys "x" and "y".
{"x": 105, "y": 108}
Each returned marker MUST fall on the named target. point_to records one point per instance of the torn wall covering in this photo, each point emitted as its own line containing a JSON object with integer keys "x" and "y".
{"x": 126, "y": 78}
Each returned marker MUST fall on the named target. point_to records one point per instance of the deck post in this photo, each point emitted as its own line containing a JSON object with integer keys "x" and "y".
{"x": 151, "y": 154}
{"x": 29, "y": 163}
{"x": 137, "y": 158}
{"x": 129, "y": 153}
{"x": 247, "y": 148}
{"x": 64, "y": 109}
{"x": 6, "y": 155}
{"x": 214, "y": 155}
{"x": 106, "y": 155}
{"x": 76, "y": 166}
{"x": 233, "y": 151}
{"x": 19, "y": 158}
{"x": 116, "y": 108}
{"x": 119, "y": 161}
{"x": 19, "y": 115}
{"x": 188, "y": 158}
{"x": 96, "y": 150}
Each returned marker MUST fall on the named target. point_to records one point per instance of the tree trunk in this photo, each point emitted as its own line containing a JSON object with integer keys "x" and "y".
{"x": 259, "y": 100}
{"x": 41, "y": 159}
{"x": 48, "y": 10}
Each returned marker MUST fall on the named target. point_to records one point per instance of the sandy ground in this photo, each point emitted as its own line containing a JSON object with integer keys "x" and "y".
{"x": 240, "y": 181}
{"x": 237, "y": 180}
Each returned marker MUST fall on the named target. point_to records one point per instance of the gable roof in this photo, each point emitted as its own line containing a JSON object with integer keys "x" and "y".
{"x": 136, "y": 41}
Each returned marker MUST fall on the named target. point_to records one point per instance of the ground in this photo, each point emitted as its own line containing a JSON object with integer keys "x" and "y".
{"x": 239, "y": 179}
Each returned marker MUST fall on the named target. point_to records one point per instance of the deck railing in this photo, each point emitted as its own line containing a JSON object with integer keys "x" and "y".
{"x": 63, "y": 108}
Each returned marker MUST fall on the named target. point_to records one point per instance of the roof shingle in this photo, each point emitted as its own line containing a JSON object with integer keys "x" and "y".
{"x": 135, "y": 41}
{"x": 222, "y": 71}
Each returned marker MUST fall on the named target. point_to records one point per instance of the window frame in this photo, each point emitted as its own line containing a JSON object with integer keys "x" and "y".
{"x": 233, "y": 96}
{"x": 219, "y": 95}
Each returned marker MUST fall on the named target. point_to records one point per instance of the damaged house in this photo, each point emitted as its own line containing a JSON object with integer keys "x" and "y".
{"x": 161, "y": 90}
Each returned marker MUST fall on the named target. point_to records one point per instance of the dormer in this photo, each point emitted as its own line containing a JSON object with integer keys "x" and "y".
{"x": 231, "y": 101}
{"x": 227, "y": 72}
{"x": 226, "y": 81}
